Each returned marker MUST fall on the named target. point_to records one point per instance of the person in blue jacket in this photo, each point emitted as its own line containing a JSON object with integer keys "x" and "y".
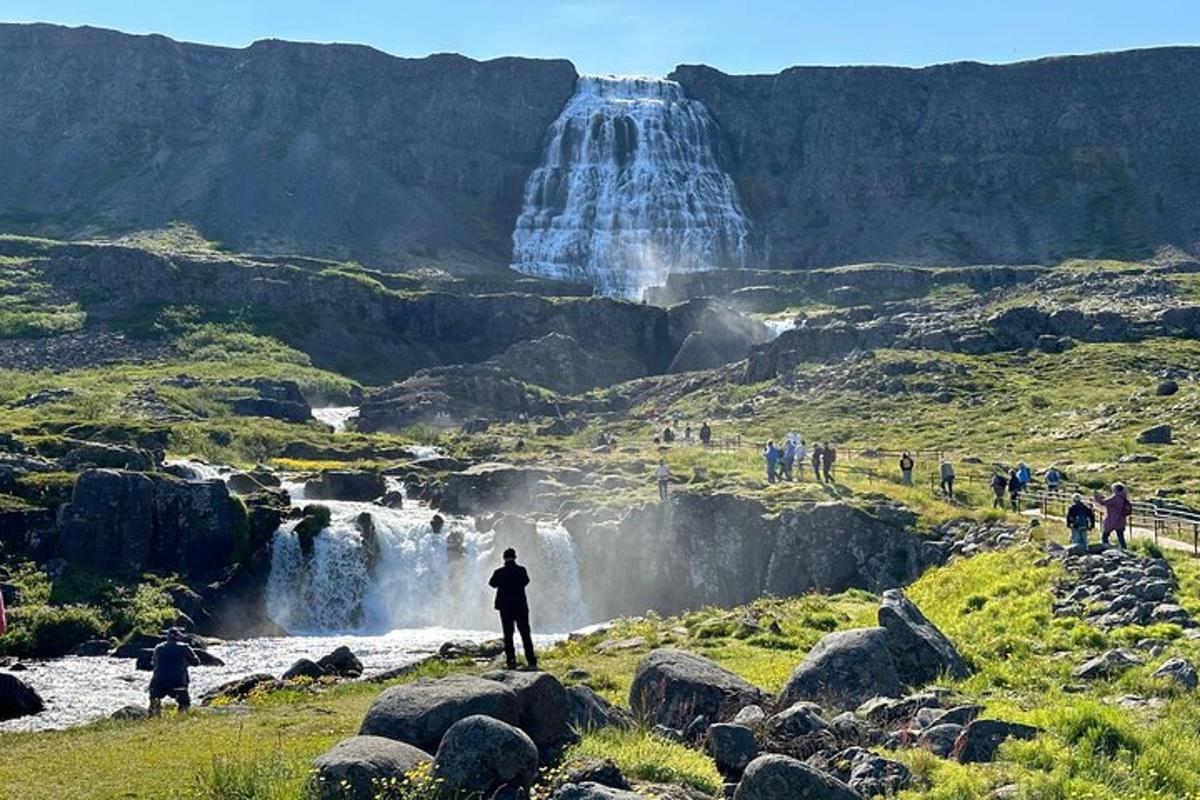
{"x": 771, "y": 453}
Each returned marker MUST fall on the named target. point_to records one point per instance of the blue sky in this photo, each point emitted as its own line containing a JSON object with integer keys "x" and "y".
{"x": 624, "y": 36}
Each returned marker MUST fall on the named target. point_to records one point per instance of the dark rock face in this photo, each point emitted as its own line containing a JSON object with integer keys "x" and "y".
{"x": 558, "y": 362}
{"x": 345, "y": 485}
{"x": 1179, "y": 670}
{"x": 131, "y": 520}
{"x": 433, "y": 151}
{"x": 859, "y": 143}
{"x": 919, "y": 650}
{"x": 844, "y": 670}
{"x": 489, "y": 486}
{"x": 354, "y": 768}
{"x": 17, "y": 699}
{"x": 479, "y": 754}
{"x": 588, "y": 711}
{"x": 304, "y": 668}
{"x": 732, "y": 747}
{"x": 542, "y": 705}
{"x": 1159, "y": 434}
{"x": 672, "y": 688}
{"x": 276, "y": 399}
{"x": 589, "y": 790}
{"x": 341, "y": 662}
{"x": 421, "y": 712}
{"x": 778, "y": 777}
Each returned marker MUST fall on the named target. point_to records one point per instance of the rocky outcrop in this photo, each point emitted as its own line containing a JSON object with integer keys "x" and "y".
{"x": 778, "y": 777}
{"x": 542, "y": 705}
{"x": 490, "y": 486}
{"x": 357, "y": 768}
{"x": 1114, "y": 588}
{"x": 844, "y": 670}
{"x": 481, "y": 754}
{"x": 920, "y": 652}
{"x": 432, "y": 152}
{"x": 17, "y": 699}
{"x": 588, "y": 711}
{"x": 358, "y": 485}
{"x": 725, "y": 550}
{"x": 673, "y": 688}
{"x": 131, "y": 520}
{"x": 558, "y": 362}
{"x": 421, "y": 712}
{"x": 932, "y": 165}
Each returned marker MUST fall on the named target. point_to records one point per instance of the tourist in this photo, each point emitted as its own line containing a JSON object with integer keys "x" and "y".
{"x": 1023, "y": 474}
{"x": 999, "y": 484}
{"x": 818, "y": 455}
{"x": 771, "y": 453}
{"x": 1053, "y": 479}
{"x": 169, "y": 675}
{"x": 801, "y": 454}
{"x": 828, "y": 456}
{"x": 664, "y": 475}
{"x": 906, "y": 468}
{"x": 1014, "y": 490}
{"x": 1080, "y": 520}
{"x": 705, "y": 433}
{"x": 947, "y": 472}
{"x": 3, "y": 615}
{"x": 509, "y": 582}
{"x": 668, "y": 435}
{"x": 687, "y": 433}
{"x": 1117, "y": 511}
{"x": 789, "y": 458}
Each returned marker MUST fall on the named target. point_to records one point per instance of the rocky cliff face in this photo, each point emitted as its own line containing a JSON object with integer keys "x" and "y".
{"x": 966, "y": 163}
{"x": 278, "y": 147}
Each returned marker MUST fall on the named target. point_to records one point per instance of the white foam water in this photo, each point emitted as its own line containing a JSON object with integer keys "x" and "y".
{"x": 629, "y": 190}
{"x": 335, "y": 417}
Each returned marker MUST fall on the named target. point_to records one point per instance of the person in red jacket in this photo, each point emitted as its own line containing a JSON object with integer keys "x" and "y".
{"x": 1117, "y": 511}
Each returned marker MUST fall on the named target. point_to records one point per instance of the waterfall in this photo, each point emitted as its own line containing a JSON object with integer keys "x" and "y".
{"x": 335, "y": 417}
{"x": 629, "y": 190}
{"x": 411, "y": 577}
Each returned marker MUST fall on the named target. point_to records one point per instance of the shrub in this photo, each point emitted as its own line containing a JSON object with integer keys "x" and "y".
{"x": 50, "y": 631}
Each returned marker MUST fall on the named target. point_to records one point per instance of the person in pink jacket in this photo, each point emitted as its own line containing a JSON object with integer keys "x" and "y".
{"x": 1117, "y": 510}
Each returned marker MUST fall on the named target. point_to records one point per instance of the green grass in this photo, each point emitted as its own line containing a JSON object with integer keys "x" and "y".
{"x": 645, "y": 756}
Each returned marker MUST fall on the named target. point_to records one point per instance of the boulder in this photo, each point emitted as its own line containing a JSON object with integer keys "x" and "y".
{"x": 241, "y": 688}
{"x": 1166, "y": 387}
{"x": 588, "y": 711}
{"x": 421, "y": 712}
{"x": 361, "y": 485}
{"x": 355, "y": 768}
{"x": 1106, "y": 665}
{"x": 871, "y": 775}
{"x": 673, "y": 688}
{"x": 979, "y": 741}
{"x": 593, "y": 770}
{"x": 920, "y": 652}
{"x": 17, "y": 699}
{"x": 130, "y": 712}
{"x": 844, "y": 670}
{"x": 341, "y": 662}
{"x": 543, "y": 709}
{"x": 940, "y": 739}
{"x": 592, "y": 791}
{"x": 486, "y": 487}
{"x": 1179, "y": 670}
{"x": 1158, "y": 434}
{"x": 799, "y": 719}
{"x": 778, "y": 777}
{"x": 304, "y": 668}
{"x": 108, "y": 456}
{"x": 732, "y": 747}
{"x": 481, "y": 754}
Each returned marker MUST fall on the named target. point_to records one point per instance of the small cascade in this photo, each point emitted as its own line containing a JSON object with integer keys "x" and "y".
{"x": 193, "y": 470}
{"x": 335, "y": 417}
{"x": 629, "y": 190}
{"x": 397, "y": 572}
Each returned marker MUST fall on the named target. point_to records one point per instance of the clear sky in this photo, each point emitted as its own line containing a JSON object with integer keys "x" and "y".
{"x": 624, "y": 36}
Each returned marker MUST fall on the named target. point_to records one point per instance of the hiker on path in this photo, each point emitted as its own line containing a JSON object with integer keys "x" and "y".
{"x": 3, "y": 615}
{"x": 999, "y": 484}
{"x": 906, "y": 468}
{"x": 801, "y": 454}
{"x": 1117, "y": 511}
{"x": 1053, "y": 479}
{"x": 509, "y": 582}
{"x": 789, "y": 458}
{"x": 818, "y": 455}
{"x": 1014, "y": 490}
{"x": 668, "y": 435}
{"x": 705, "y": 433}
{"x": 1080, "y": 519}
{"x": 771, "y": 453}
{"x": 687, "y": 433}
{"x": 169, "y": 676}
{"x": 947, "y": 473}
{"x": 663, "y": 473}
{"x": 828, "y": 456}
{"x": 1023, "y": 474}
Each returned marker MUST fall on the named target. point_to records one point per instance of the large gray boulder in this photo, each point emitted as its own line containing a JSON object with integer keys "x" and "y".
{"x": 980, "y": 740}
{"x": 421, "y": 712}
{"x": 592, "y": 791}
{"x": 673, "y": 688}
{"x": 799, "y": 719}
{"x": 1179, "y": 670}
{"x": 920, "y": 652}
{"x": 354, "y": 768}
{"x": 777, "y": 777}
{"x": 480, "y": 754}
{"x": 17, "y": 699}
{"x": 844, "y": 670}
{"x": 588, "y": 711}
{"x": 732, "y": 747}
{"x": 543, "y": 708}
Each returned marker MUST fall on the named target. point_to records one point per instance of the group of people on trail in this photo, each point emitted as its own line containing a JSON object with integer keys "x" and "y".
{"x": 945, "y": 474}
{"x": 786, "y": 462}
{"x": 1013, "y": 484}
{"x": 1118, "y": 509}
{"x": 668, "y": 435}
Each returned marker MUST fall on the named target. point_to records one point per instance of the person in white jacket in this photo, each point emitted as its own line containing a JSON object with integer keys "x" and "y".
{"x": 663, "y": 474}
{"x": 801, "y": 457}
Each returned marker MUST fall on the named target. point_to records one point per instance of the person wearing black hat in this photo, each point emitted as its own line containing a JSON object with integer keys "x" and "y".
{"x": 509, "y": 582}
{"x": 170, "y": 677}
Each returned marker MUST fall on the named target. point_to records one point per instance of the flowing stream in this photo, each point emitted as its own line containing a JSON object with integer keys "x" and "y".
{"x": 630, "y": 189}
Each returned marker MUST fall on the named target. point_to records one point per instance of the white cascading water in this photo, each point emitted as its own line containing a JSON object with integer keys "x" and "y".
{"x": 630, "y": 189}
{"x": 416, "y": 580}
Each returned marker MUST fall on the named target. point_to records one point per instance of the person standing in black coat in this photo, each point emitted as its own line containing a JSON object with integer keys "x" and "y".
{"x": 509, "y": 582}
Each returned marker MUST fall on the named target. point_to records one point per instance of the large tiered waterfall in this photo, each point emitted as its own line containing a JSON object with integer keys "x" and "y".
{"x": 630, "y": 189}
{"x": 412, "y": 576}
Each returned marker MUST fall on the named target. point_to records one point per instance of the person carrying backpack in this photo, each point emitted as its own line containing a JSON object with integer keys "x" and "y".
{"x": 999, "y": 484}
{"x": 771, "y": 453}
{"x": 1014, "y": 490}
{"x": 1080, "y": 519}
{"x": 1053, "y": 479}
{"x": 1117, "y": 511}
{"x": 705, "y": 433}
{"x": 947, "y": 474}
{"x": 827, "y": 459}
{"x": 818, "y": 455}
{"x": 906, "y": 469}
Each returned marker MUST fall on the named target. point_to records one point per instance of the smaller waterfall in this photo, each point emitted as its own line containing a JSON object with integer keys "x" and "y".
{"x": 335, "y": 417}
{"x": 630, "y": 189}
{"x": 410, "y": 576}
